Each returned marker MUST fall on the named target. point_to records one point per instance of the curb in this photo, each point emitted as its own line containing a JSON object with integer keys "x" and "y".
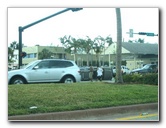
{"x": 72, "y": 115}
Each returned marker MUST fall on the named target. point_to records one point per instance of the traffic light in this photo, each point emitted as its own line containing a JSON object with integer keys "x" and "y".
{"x": 142, "y": 33}
{"x": 76, "y": 9}
{"x": 147, "y": 33}
{"x": 23, "y": 54}
{"x": 150, "y": 34}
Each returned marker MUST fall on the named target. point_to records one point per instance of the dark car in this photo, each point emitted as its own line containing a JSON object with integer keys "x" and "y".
{"x": 148, "y": 68}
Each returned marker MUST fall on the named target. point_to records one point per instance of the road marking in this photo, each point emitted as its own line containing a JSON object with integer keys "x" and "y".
{"x": 136, "y": 117}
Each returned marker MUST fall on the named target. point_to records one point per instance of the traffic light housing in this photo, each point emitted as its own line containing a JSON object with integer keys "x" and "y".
{"x": 23, "y": 54}
{"x": 147, "y": 33}
{"x": 142, "y": 33}
{"x": 76, "y": 9}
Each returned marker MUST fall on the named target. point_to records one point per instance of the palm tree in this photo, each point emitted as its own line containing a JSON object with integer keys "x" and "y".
{"x": 86, "y": 45}
{"x": 99, "y": 44}
{"x": 119, "y": 78}
{"x": 71, "y": 45}
{"x": 108, "y": 40}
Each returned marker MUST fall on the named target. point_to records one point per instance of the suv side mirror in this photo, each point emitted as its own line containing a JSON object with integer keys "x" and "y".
{"x": 36, "y": 67}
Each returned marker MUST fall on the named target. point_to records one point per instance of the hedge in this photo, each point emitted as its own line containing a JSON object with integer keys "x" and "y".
{"x": 149, "y": 78}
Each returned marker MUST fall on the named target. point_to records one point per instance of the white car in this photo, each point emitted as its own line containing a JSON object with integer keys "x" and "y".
{"x": 124, "y": 69}
{"x": 47, "y": 70}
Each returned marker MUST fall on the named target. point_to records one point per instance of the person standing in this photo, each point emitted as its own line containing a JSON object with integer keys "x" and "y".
{"x": 91, "y": 73}
{"x": 99, "y": 73}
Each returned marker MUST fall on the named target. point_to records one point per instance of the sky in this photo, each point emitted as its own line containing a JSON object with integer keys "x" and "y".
{"x": 90, "y": 22}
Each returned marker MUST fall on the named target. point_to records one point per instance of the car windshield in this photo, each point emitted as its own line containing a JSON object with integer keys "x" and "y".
{"x": 31, "y": 64}
{"x": 145, "y": 67}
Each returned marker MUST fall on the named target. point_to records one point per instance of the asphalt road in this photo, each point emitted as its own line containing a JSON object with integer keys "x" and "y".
{"x": 144, "y": 115}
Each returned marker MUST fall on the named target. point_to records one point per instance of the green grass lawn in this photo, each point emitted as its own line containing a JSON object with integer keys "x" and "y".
{"x": 77, "y": 96}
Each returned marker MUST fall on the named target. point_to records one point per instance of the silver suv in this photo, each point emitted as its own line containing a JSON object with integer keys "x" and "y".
{"x": 47, "y": 70}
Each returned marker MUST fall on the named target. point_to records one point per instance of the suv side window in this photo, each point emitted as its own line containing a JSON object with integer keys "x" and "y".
{"x": 60, "y": 64}
{"x": 43, "y": 64}
{"x": 68, "y": 64}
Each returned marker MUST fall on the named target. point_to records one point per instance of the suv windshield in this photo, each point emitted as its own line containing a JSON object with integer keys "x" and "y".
{"x": 31, "y": 64}
{"x": 146, "y": 67}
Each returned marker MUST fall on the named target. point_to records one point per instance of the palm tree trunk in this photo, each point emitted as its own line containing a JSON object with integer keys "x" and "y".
{"x": 119, "y": 78}
{"x": 87, "y": 63}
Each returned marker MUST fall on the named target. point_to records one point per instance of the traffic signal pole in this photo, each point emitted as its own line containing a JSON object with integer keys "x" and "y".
{"x": 20, "y": 47}
{"x": 21, "y": 29}
{"x": 141, "y": 33}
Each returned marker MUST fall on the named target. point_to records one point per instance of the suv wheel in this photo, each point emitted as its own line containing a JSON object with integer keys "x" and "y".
{"x": 17, "y": 80}
{"x": 68, "y": 79}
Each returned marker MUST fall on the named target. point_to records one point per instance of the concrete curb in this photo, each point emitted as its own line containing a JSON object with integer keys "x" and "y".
{"x": 72, "y": 115}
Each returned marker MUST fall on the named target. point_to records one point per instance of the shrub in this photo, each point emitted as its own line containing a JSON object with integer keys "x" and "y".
{"x": 150, "y": 78}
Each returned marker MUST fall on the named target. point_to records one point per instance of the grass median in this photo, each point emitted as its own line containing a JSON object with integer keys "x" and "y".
{"x": 77, "y": 96}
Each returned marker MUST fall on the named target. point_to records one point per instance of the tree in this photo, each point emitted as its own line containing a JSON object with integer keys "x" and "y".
{"x": 87, "y": 46}
{"x": 13, "y": 46}
{"x": 108, "y": 40}
{"x": 140, "y": 40}
{"x": 10, "y": 55}
{"x": 98, "y": 46}
{"x": 130, "y": 41}
{"x": 44, "y": 54}
{"x": 119, "y": 78}
{"x": 71, "y": 45}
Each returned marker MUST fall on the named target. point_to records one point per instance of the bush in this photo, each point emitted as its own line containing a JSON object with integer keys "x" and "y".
{"x": 150, "y": 78}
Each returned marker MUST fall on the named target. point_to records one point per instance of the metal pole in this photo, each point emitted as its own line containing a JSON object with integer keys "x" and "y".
{"x": 20, "y": 47}
{"x": 43, "y": 19}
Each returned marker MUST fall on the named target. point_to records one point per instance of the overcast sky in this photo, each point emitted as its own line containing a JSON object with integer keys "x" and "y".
{"x": 87, "y": 22}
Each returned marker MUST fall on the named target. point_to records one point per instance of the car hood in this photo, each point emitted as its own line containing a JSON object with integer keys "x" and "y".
{"x": 16, "y": 71}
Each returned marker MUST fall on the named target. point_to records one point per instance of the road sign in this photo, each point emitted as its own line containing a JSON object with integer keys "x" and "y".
{"x": 131, "y": 32}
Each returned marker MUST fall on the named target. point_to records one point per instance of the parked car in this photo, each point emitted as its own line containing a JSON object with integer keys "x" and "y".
{"x": 148, "y": 68}
{"x": 124, "y": 70}
{"x": 47, "y": 70}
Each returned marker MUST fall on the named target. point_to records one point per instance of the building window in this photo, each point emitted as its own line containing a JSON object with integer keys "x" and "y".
{"x": 31, "y": 55}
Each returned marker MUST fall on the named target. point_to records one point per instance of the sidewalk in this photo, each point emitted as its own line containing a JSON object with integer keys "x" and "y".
{"x": 75, "y": 115}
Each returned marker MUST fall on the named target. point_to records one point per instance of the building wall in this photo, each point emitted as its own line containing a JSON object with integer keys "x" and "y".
{"x": 109, "y": 56}
{"x": 33, "y": 52}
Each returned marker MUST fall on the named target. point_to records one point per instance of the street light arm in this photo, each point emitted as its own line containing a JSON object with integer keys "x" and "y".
{"x": 55, "y": 14}
{"x": 43, "y": 19}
